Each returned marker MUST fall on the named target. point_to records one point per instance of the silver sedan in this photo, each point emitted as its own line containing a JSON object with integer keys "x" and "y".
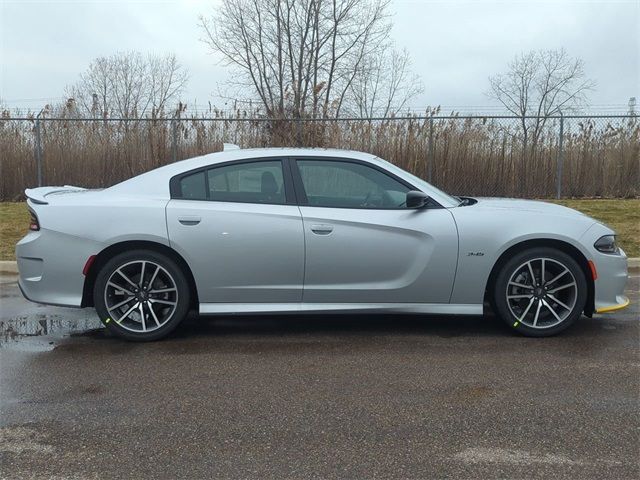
{"x": 306, "y": 230}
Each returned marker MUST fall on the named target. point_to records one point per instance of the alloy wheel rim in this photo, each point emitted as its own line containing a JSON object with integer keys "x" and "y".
{"x": 541, "y": 293}
{"x": 141, "y": 296}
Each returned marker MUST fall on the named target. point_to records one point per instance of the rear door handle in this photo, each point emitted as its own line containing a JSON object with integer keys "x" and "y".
{"x": 322, "y": 229}
{"x": 189, "y": 220}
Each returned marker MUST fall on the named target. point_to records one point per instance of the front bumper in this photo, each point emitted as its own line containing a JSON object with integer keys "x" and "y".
{"x": 611, "y": 282}
{"x": 624, "y": 302}
{"x": 611, "y": 272}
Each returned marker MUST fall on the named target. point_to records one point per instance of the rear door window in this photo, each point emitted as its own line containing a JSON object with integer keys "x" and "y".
{"x": 258, "y": 182}
{"x": 247, "y": 182}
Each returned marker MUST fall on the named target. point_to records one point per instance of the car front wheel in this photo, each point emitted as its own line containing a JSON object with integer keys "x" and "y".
{"x": 540, "y": 292}
{"x": 141, "y": 295}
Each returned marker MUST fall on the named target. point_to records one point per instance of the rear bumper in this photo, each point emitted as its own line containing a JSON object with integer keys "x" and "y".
{"x": 50, "y": 267}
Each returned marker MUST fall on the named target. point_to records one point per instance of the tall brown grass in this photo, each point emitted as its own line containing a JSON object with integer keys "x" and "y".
{"x": 470, "y": 156}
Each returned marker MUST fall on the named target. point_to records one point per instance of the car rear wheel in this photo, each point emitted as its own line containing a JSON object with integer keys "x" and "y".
{"x": 540, "y": 292}
{"x": 141, "y": 295}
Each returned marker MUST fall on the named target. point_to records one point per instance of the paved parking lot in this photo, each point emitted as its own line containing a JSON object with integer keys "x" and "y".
{"x": 324, "y": 397}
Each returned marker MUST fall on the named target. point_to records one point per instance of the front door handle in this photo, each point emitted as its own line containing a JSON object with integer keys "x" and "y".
{"x": 322, "y": 229}
{"x": 189, "y": 220}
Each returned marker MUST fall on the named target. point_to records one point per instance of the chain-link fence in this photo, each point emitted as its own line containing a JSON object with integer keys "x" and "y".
{"x": 570, "y": 156}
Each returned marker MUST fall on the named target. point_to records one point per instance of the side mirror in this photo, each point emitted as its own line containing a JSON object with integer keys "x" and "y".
{"x": 416, "y": 199}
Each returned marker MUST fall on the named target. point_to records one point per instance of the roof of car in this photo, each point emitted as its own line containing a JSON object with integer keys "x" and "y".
{"x": 249, "y": 153}
{"x": 243, "y": 153}
{"x": 156, "y": 181}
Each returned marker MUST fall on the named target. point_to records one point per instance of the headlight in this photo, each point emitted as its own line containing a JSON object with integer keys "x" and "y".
{"x": 607, "y": 244}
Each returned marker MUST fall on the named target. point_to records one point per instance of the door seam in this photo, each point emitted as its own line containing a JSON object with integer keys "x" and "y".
{"x": 455, "y": 272}
{"x": 304, "y": 256}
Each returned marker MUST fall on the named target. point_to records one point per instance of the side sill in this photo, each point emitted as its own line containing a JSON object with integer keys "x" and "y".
{"x": 421, "y": 308}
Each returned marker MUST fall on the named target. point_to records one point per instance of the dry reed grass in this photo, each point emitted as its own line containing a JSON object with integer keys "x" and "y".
{"x": 471, "y": 156}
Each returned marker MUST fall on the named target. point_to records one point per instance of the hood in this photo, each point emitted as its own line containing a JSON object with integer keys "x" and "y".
{"x": 531, "y": 206}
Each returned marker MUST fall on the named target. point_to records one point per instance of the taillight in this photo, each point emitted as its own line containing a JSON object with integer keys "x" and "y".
{"x": 34, "y": 224}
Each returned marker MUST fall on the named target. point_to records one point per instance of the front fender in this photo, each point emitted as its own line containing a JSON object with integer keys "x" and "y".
{"x": 485, "y": 236}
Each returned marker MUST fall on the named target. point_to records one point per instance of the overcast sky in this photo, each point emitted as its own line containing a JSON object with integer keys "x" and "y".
{"x": 455, "y": 45}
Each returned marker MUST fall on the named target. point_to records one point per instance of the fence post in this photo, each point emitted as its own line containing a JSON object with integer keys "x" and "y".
{"x": 174, "y": 140}
{"x": 299, "y": 126}
{"x": 430, "y": 150}
{"x": 560, "y": 159}
{"x": 38, "y": 151}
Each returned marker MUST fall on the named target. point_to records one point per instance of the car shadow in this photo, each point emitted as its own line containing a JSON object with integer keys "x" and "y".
{"x": 340, "y": 324}
{"x": 250, "y": 331}
{"x": 341, "y": 334}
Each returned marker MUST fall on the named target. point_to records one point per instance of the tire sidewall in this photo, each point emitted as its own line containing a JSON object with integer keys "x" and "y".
{"x": 182, "y": 308}
{"x": 499, "y": 298}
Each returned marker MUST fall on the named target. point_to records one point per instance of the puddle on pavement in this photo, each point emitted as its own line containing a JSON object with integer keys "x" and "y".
{"x": 37, "y": 330}
{"x": 34, "y": 327}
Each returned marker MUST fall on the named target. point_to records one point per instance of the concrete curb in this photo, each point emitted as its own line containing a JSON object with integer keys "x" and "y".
{"x": 10, "y": 267}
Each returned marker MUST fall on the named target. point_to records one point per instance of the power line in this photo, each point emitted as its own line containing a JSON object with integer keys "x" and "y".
{"x": 42, "y": 99}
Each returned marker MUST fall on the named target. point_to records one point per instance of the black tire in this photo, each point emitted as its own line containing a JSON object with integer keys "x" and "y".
{"x": 543, "y": 296}
{"x": 174, "y": 303}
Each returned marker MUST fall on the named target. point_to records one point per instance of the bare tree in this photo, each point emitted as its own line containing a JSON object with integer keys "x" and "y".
{"x": 542, "y": 84}
{"x": 129, "y": 85}
{"x": 385, "y": 84}
{"x": 302, "y": 58}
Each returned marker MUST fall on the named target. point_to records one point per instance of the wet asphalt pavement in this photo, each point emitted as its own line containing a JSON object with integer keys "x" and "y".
{"x": 319, "y": 397}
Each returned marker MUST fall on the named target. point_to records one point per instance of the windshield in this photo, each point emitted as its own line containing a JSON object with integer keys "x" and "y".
{"x": 444, "y": 198}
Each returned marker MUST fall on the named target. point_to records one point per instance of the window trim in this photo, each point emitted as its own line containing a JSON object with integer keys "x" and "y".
{"x": 175, "y": 190}
{"x": 301, "y": 194}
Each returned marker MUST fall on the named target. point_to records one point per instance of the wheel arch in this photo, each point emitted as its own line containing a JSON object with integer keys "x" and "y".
{"x": 124, "y": 246}
{"x": 561, "y": 245}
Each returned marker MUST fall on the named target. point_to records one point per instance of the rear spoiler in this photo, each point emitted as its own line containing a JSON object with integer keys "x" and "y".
{"x": 37, "y": 195}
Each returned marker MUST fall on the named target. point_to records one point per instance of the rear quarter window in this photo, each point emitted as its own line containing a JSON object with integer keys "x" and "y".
{"x": 193, "y": 187}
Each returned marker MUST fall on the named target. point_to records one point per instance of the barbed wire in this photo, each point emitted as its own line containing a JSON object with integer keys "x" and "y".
{"x": 466, "y": 110}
